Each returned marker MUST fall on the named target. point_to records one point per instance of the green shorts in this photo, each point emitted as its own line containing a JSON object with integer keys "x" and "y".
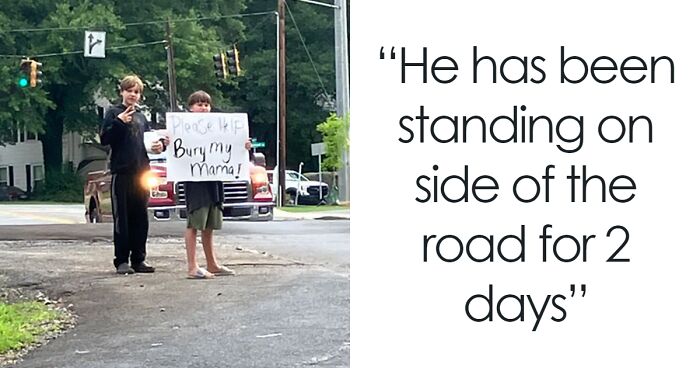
{"x": 210, "y": 217}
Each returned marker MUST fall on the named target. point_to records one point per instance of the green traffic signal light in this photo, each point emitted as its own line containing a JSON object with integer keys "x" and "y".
{"x": 24, "y": 71}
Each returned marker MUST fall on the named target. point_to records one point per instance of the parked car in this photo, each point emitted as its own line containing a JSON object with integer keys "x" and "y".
{"x": 11, "y": 193}
{"x": 243, "y": 199}
{"x": 310, "y": 191}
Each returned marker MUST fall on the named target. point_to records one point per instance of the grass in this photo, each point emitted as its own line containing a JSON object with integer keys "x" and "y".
{"x": 21, "y": 324}
{"x": 301, "y": 209}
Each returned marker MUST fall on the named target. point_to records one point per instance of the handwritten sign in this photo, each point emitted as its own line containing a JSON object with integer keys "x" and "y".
{"x": 207, "y": 147}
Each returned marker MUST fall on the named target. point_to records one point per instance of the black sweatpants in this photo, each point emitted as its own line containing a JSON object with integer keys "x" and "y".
{"x": 130, "y": 214}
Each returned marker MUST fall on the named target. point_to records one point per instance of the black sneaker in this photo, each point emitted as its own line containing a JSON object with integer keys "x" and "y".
{"x": 144, "y": 267}
{"x": 124, "y": 269}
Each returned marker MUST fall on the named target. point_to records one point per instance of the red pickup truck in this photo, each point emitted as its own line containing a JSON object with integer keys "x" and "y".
{"x": 243, "y": 199}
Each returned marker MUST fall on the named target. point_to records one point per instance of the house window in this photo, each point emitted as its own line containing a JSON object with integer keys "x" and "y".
{"x": 4, "y": 176}
{"x": 37, "y": 174}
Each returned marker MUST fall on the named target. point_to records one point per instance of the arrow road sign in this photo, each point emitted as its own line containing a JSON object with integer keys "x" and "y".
{"x": 95, "y": 44}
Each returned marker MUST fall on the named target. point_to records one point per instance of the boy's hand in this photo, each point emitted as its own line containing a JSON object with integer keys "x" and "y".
{"x": 248, "y": 145}
{"x": 125, "y": 116}
{"x": 157, "y": 147}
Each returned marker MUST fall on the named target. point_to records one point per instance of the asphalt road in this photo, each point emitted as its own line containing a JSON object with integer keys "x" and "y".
{"x": 288, "y": 306}
{"x": 38, "y": 214}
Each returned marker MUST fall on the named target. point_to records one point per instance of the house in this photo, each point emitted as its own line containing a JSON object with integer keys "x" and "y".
{"x": 22, "y": 161}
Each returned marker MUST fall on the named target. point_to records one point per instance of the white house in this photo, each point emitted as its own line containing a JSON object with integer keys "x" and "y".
{"x": 22, "y": 161}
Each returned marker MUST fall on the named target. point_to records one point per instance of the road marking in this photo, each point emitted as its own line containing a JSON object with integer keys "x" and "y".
{"x": 269, "y": 335}
{"x": 50, "y": 219}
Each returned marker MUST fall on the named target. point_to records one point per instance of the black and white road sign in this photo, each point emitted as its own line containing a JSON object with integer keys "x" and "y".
{"x": 95, "y": 44}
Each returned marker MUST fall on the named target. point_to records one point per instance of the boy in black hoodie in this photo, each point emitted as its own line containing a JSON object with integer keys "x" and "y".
{"x": 123, "y": 130}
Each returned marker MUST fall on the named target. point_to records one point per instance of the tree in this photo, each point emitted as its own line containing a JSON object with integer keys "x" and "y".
{"x": 66, "y": 100}
{"x": 335, "y": 137}
{"x": 257, "y": 93}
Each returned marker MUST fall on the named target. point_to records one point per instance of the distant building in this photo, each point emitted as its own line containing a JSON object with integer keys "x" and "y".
{"x": 22, "y": 157}
{"x": 22, "y": 161}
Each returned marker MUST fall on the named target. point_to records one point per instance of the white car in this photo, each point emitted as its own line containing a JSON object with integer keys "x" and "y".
{"x": 301, "y": 190}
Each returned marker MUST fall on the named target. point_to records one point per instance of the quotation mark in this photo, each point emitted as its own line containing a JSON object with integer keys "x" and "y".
{"x": 381, "y": 53}
{"x": 573, "y": 290}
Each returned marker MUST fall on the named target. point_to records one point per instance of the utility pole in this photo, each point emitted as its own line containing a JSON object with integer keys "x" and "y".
{"x": 282, "y": 106}
{"x": 342, "y": 88}
{"x": 171, "y": 67}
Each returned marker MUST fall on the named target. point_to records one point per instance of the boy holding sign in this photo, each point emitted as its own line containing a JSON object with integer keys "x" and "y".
{"x": 204, "y": 201}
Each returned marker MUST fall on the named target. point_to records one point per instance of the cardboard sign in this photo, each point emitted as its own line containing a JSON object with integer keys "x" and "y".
{"x": 207, "y": 146}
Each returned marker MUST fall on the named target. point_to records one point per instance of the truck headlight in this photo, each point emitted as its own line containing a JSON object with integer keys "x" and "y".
{"x": 152, "y": 181}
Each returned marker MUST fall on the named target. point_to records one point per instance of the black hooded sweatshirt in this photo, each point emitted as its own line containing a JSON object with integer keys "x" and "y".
{"x": 129, "y": 154}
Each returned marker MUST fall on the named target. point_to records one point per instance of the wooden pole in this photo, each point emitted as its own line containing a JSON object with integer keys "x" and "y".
{"x": 172, "y": 84}
{"x": 282, "y": 164}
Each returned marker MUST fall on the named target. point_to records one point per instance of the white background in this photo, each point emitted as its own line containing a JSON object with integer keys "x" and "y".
{"x": 405, "y": 312}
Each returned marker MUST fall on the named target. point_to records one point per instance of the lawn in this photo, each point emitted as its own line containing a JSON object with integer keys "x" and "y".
{"x": 300, "y": 209}
{"x": 21, "y": 324}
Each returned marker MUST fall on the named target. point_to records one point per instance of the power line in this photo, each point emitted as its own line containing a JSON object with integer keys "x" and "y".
{"x": 323, "y": 87}
{"x": 153, "y": 22}
{"x": 82, "y": 51}
{"x": 236, "y": 41}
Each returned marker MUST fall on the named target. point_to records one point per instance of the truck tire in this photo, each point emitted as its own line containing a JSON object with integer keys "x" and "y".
{"x": 292, "y": 196}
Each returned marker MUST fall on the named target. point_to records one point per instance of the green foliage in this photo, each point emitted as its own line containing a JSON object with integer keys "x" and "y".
{"x": 60, "y": 186}
{"x": 21, "y": 323}
{"x": 71, "y": 83}
{"x": 257, "y": 92}
{"x": 335, "y": 136}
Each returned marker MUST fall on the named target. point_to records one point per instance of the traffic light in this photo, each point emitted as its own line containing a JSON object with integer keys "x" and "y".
{"x": 24, "y": 73}
{"x": 35, "y": 74}
{"x": 29, "y": 73}
{"x": 234, "y": 65}
{"x": 220, "y": 66}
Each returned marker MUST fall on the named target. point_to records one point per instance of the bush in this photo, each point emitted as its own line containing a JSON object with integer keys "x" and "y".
{"x": 60, "y": 186}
